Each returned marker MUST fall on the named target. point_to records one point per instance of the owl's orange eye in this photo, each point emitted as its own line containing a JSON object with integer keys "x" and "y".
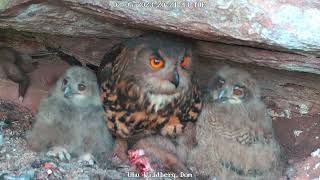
{"x": 237, "y": 91}
{"x": 156, "y": 63}
{"x": 184, "y": 61}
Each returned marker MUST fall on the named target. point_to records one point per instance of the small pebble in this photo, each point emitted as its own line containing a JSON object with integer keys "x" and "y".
{"x": 62, "y": 170}
{"x": 36, "y": 164}
{"x": 297, "y": 133}
{"x": 47, "y": 165}
{"x": 316, "y": 153}
{"x": 290, "y": 172}
{"x": 91, "y": 162}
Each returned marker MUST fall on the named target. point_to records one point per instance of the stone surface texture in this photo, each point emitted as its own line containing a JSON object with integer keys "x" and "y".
{"x": 287, "y": 31}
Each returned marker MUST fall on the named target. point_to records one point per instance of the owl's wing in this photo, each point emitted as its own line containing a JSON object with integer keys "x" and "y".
{"x": 262, "y": 120}
{"x": 95, "y": 134}
{"x": 105, "y": 68}
{"x": 45, "y": 129}
{"x": 191, "y": 105}
{"x": 48, "y": 110}
{"x": 245, "y": 136}
{"x": 242, "y": 136}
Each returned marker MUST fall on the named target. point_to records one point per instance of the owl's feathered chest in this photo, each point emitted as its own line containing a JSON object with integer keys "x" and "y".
{"x": 131, "y": 111}
{"x": 234, "y": 122}
{"x": 230, "y": 115}
{"x": 159, "y": 101}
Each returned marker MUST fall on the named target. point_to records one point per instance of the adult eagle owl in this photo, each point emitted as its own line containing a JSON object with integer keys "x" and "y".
{"x": 147, "y": 87}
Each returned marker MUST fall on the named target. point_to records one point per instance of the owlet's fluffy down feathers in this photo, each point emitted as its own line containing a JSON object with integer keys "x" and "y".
{"x": 71, "y": 117}
{"x": 234, "y": 133}
{"x": 148, "y": 87}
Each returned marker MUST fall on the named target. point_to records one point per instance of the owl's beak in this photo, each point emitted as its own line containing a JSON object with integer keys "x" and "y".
{"x": 222, "y": 94}
{"x": 175, "y": 78}
{"x": 68, "y": 92}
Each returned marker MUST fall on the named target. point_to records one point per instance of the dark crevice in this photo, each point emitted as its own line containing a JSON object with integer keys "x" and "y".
{"x": 93, "y": 67}
{"x": 71, "y": 60}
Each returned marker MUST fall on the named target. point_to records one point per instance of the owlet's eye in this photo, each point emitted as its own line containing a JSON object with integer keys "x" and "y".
{"x": 81, "y": 87}
{"x": 184, "y": 62}
{"x": 220, "y": 82}
{"x": 156, "y": 63}
{"x": 237, "y": 91}
{"x": 64, "y": 82}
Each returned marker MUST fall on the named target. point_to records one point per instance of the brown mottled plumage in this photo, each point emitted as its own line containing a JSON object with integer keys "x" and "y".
{"x": 235, "y": 139}
{"x": 147, "y": 87}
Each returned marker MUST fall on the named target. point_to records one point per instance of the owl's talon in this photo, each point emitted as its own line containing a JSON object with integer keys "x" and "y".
{"x": 120, "y": 149}
{"x": 59, "y": 152}
{"x": 87, "y": 158}
{"x": 120, "y": 156}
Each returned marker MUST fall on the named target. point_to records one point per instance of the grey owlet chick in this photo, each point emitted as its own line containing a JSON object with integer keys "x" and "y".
{"x": 235, "y": 139}
{"x": 70, "y": 119}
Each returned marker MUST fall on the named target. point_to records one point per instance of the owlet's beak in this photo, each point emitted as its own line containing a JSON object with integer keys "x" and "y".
{"x": 222, "y": 94}
{"x": 68, "y": 91}
{"x": 175, "y": 78}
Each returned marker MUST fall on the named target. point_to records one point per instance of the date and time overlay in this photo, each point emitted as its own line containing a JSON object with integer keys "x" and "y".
{"x": 159, "y": 4}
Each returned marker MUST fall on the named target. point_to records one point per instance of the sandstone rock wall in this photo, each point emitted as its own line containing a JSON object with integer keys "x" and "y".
{"x": 286, "y": 32}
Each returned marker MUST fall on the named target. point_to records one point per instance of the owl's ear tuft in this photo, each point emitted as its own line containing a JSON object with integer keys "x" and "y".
{"x": 104, "y": 69}
{"x": 184, "y": 62}
{"x": 111, "y": 55}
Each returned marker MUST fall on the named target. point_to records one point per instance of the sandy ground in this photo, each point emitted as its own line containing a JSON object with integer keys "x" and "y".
{"x": 309, "y": 168}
